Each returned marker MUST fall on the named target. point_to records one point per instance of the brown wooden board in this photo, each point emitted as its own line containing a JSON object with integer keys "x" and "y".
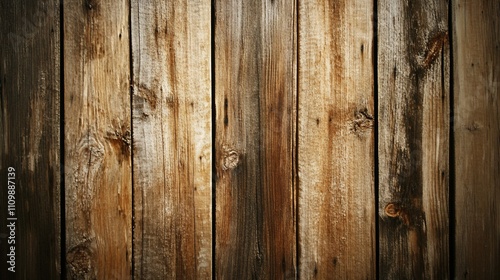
{"x": 172, "y": 139}
{"x": 29, "y": 135}
{"x": 413, "y": 98}
{"x": 476, "y": 54}
{"x": 97, "y": 140}
{"x": 336, "y": 140}
{"x": 255, "y": 93}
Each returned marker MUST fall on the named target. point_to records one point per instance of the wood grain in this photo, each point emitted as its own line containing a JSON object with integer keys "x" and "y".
{"x": 172, "y": 139}
{"x": 413, "y": 97}
{"x": 29, "y": 136}
{"x": 97, "y": 140}
{"x": 255, "y": 72}
{"x": 336, "y": 140}
{"x": 477, "y": 138}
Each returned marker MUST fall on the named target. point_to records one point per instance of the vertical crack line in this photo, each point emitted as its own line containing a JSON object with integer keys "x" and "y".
{"x": 131, "y": 92}
{"x": 62, "y": 190}
{"x": 296, "y": 164}
{"x": 213, "y": 19}
{"x": 452, "y": 183}
{"x": 376, "y": 136}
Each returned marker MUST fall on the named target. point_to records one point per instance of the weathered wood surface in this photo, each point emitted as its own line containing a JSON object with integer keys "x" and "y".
{"x": 255, "y": 46}
{"x": 29, "y": 135}
{"x": 413, "y": 97}
{"x": 302, "y": 89}
{"x": 336, "y": 140}
{"x": 476, "y": 119}
{"x": 97, "y": 140}
{"x": 172, "y": 139}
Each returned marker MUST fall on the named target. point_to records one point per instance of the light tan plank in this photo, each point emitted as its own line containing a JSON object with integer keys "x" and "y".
{"x": 255, "y": 102}
{"x": 172, "y": 139}
{"x": 413, "y": 96}
{"x": 97, "y": 140}
{"x": 476, "y": 56}
{"x": 336, "y": 140}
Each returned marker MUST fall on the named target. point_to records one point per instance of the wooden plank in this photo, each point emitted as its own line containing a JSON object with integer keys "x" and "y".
{"x": 336, "y": 140}
{"x": 29, "y": 129}
{"x": 172, "y": 139}
{"x": 476, "y": 76}
{"x": 413, "y": 97}
{"x": 255, "y": 150}
{"x": 97, "y": 140}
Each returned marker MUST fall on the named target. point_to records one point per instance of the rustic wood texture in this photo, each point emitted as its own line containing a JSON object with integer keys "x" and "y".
{"x": 172, "y": 139}
{"x": 336, "y": 140}
{"x": 29, "y": 135}
{"x": 97, "y": 140}
{"x": 255, "y": 48}
{"x": 413, "y": 97}
{"x": 476, "y": 56}
{"x": 308, "y": 99}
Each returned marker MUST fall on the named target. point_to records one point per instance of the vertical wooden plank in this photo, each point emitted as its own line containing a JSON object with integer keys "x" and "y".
{"x": 172, "y": 139}
{"x": 413, "y": 97}
{"x": 97, "y": 139}
{"x": 336, "y": 140}
{"x": 255, "y": 121}
{"x": 476, "y": 56}
{"x": 29, "y": 129}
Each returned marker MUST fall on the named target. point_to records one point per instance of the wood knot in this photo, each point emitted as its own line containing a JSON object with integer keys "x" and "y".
{"x": 90, "y": 148}
{"x": 363, "y": 121}
{"x": 124, "y": 137}
{"x": 434, "y": 47}
{"x": 149, "y": 95}
{"x": 230, "y": 160}
{"x": 120, "y": 137}
{"x": 474, "y": 126}
{"x": 392, "y": 210}
{"x": 90, "y": 4}
{"x": 80, "y": 262}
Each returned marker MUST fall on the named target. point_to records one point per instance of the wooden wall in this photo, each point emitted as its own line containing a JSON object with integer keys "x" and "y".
{"x": 301, "y": 139}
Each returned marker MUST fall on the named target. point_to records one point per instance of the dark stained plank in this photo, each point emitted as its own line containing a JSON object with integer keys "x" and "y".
{"x": 476, "y": 53}
{"x": 29, "y": 137}
{"x": 172, "y": 139}
{"x": 255, "y": 77}
{"x": 97, "y": 140}
{"x": 336, "y": 140}
{"x": 413, "y": 96}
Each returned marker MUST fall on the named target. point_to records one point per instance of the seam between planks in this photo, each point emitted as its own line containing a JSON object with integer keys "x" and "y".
{"x": 451, "y": 161}
{"x": 213, "y": 132}
{"x": 376, "y": 168}
{"x": 62, "y": 191}
{"x": 296, "y": 164}
{"x": 131, "y": 93}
